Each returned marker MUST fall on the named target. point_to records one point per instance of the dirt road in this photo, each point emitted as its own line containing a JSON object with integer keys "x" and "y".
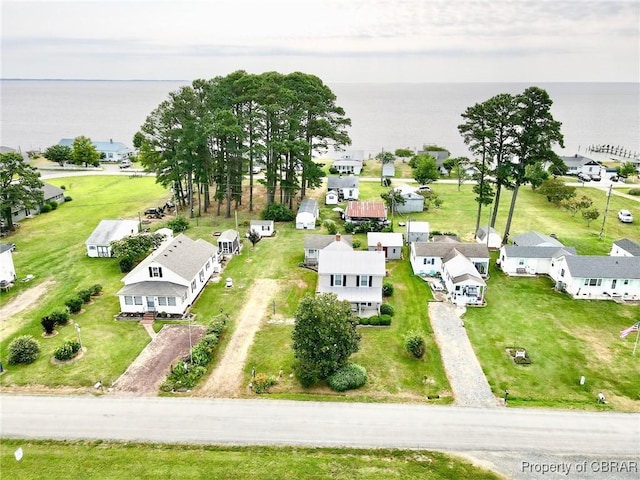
{"x": 18, "y": 304}
{"x": 226, "y": 379}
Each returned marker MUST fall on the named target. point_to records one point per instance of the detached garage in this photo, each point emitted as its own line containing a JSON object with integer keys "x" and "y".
{"x": 307, "y": 215}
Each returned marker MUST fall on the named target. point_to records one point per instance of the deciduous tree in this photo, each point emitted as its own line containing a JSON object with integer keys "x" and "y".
{"x": 84, "y": 152}
{"x": 426, "y": 170}
{"x": 60, "y": 154}
{"x": 324, "y": 336}
{"x": 20, "y": 186}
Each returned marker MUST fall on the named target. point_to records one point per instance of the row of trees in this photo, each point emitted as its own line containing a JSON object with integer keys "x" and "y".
{"x": 512, "y": 137}
{"x": 205, "y": 136}
{"x": 20, "y": 186}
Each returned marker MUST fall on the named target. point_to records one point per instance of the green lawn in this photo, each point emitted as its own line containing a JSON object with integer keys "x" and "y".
{"x": 113, "y": 460}
{"x": 565, "y": 338}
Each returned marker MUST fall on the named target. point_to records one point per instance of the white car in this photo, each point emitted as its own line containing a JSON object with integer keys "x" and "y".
{"x": 625, "y": 216}
{"x": 423, "y": 188}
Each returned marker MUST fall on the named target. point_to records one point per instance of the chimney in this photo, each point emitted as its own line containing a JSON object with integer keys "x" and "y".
{"x": 337, "y": 237}
{"x": 379, "y": 247}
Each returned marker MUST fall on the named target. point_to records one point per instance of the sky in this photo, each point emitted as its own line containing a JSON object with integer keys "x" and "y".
{"x": 339, "y": 40}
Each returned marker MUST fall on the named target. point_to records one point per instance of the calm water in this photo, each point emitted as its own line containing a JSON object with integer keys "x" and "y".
{"x": 36, "y": 114}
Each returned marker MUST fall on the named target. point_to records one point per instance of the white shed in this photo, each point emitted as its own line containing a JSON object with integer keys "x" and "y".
{"x": 490, "y": 237}
{"x": 307, "y": 215}
{"x": 331, "y": 197}
{"x": 417, "y": 231}
{"x": 265, "y": 228}
{"x": 99, "y": 242}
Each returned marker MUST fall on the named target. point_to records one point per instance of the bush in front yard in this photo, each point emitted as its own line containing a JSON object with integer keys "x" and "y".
{"x": 386, "y": 309}
{"x": 278, "y": 213}
{"x": 414, "y": 343}
{"x": 385, "y": 320}
{"x": 67, "y": 350}
{"x": 363, "y": 321}
{"x": 634, "y": 191}
{"x": 60, "y": 317}
{"x": 96, "y": 289}
{"x": 46, "y": 208}
{"x": 126, "y": 264}
{"x": 49, "y": 324}
{"x": 85, "y": 295}
{"x": 74, "y": 304}
{"x": 349, "y": 377}
{"x": 53, "y": 204}
{"x": 263, "y": 382}
{"x": 387, "y": 289}
{"x": 23, "y": 349}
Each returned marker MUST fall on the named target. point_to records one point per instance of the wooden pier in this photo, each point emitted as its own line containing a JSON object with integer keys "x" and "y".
{"x": 613, "y": 150}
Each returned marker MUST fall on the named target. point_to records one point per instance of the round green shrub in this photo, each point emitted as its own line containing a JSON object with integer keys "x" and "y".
{"x": 385, "y": 320}
{"x": 23, "y": 349}
{"x": 375, "y": 320}
{"x": 67, "y": 350}
{"x": 74, "y": 304}
{"x": 363, "y": 321}
{"x": 333, "y": 170}
{"x": 414, "y": 343}
{"x": 349, "y": 227}
{"x": 53, "y": 204}
{"x": 331, "y": 227}
{"x": 48, "y": 323}
{"x": 67, "y": 198}
{"x": 386, "y": 309}
{"x": 61, "y": 318}
{"x": 278, "y": 213}
{"x": 178, "y": 224}
{"x": 387, "y": 289}
{"x": 85, "y": 295}
{"x": 126, "y": 264}
{"x": 634, "y": 191}
{"x": 349, "y": 377}
{"x": 96, "y": 289}
{"x": 46, "y": 208}
{"x": 356, "y": 243}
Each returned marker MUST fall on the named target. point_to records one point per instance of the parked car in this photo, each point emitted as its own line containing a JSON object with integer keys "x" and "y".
{"x": 423, "y": 188}
{"x": 625, "y": 216}
{"x": 125, "y": 164}
{"x": 596, "y": 177}
{"x": 583, "y": 177}
{"x": 614, "y": 178}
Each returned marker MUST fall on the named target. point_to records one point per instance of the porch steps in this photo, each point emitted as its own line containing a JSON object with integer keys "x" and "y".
{"x": 147, "y": 322}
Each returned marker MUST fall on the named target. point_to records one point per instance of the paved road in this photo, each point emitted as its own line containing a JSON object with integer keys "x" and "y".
{"x": 266, "y": 422}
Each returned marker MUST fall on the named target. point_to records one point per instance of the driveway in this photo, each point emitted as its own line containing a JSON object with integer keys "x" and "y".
{"x": 469, "y": 385}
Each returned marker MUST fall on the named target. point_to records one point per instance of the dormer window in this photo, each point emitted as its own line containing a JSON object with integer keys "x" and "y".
{"x": 155, "y": 272}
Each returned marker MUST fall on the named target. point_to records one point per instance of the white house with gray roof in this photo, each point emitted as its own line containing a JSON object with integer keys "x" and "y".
{"x": 171, "y": 278}
{"x": 417, "y": 231}
{"x": 516, "y": 260}
{"x": 264, "y": 228}
{"x": 109, "y": 151}
{"x": 354, "y": 276}
{"x": 347, "y": 187}
{"x": 578, "y": 164}
{"x": 597, "y": 277}
{"x": 462, "y": 280}
{"x": 99, "y": 242}
{"x": 314, "y": 243}
{"x": 535, "y": 239}
{"x": 7, "y": 269}
{"x": 625, "y": 248}
{"x": 307, "y": 215}
{"x": 389, "y": 242}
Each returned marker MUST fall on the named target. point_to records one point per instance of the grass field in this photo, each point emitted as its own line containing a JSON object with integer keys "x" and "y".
{"x": 565, "y": 338}
{"x": 110, "y": 460}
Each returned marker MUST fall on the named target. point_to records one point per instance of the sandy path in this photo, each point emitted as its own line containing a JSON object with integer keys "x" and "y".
{"x": 226, "y": 379}
{"x": 18, "y": 304}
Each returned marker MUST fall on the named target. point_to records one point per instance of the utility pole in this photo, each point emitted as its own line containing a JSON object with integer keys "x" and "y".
{"x": 606, "y": 209}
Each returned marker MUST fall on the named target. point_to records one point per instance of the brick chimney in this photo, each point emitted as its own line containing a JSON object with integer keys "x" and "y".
{"x": 338, "y": 237}
{"x": 379, "y": 247}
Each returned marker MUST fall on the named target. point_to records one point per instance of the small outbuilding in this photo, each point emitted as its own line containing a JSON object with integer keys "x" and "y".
{"x": 417, "y": 231}
{"x": 389, "y": 169}
{"x": 229, "y": 243}
{"x": 7, "y": 269}
{"x": 307, "y": 215}
{"x": 490, "y": 237}
{"x": 390, "y": 243}
{"x": 265, "y": 228}
{"x": 331, "y": 197}
{"x": 413, "y": 201}
{"x": 99, "y": 242}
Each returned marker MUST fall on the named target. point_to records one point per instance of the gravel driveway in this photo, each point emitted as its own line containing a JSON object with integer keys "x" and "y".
{"x": 469, "y": 385}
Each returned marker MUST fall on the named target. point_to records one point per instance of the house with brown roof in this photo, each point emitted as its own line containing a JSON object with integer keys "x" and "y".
{"x": 361, "y": 212}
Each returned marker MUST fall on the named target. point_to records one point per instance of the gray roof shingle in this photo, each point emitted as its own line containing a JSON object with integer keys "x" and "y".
{"x": 590, "y": 266}
{"x": 629, "y": 246}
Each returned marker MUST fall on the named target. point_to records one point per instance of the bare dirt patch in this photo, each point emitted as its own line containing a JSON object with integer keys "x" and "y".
{"x": 147, "y": 372}
{"x": 226, "y": 380}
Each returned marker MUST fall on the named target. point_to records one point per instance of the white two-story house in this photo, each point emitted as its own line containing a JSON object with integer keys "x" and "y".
{"x": 354, "y": 276}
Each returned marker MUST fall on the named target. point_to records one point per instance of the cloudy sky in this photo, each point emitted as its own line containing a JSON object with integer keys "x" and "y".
{"x": 338, "y": 40}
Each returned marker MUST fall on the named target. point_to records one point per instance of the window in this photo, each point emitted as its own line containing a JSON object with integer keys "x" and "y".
{"x": 162, "y": 301}
{"x": 128, "y": 300}
{"x": 171, "y": 301}
{"x": 137, "y": 300}
{"x": 429, "y": 261}
{"x": 521, "y": 261}
{"x": 155, "y": 272}
{"x": 193, "y": 286}
{"x": 625, "y": 282}
{"x": 208, "y": 264}
{"x": 337, "y": 280}
{"x": 592, "y": 282}
{"x": 364, "y": 281}
{"x": 562, "y": 272}
{"x": 92, "y": 247}
{"x": 201, "y": 275}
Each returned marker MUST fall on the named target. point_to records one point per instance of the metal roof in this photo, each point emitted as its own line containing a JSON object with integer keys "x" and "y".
{"x": 110, "y": 230}
{"x": 366, "y": 210}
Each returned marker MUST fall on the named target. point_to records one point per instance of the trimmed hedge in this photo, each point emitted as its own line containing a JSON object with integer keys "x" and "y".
{"x": 67, "y": 350}
{"x": 386, "y": 309}
{"x": 23, "y": 349}
{"x": 349, "y": 377}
